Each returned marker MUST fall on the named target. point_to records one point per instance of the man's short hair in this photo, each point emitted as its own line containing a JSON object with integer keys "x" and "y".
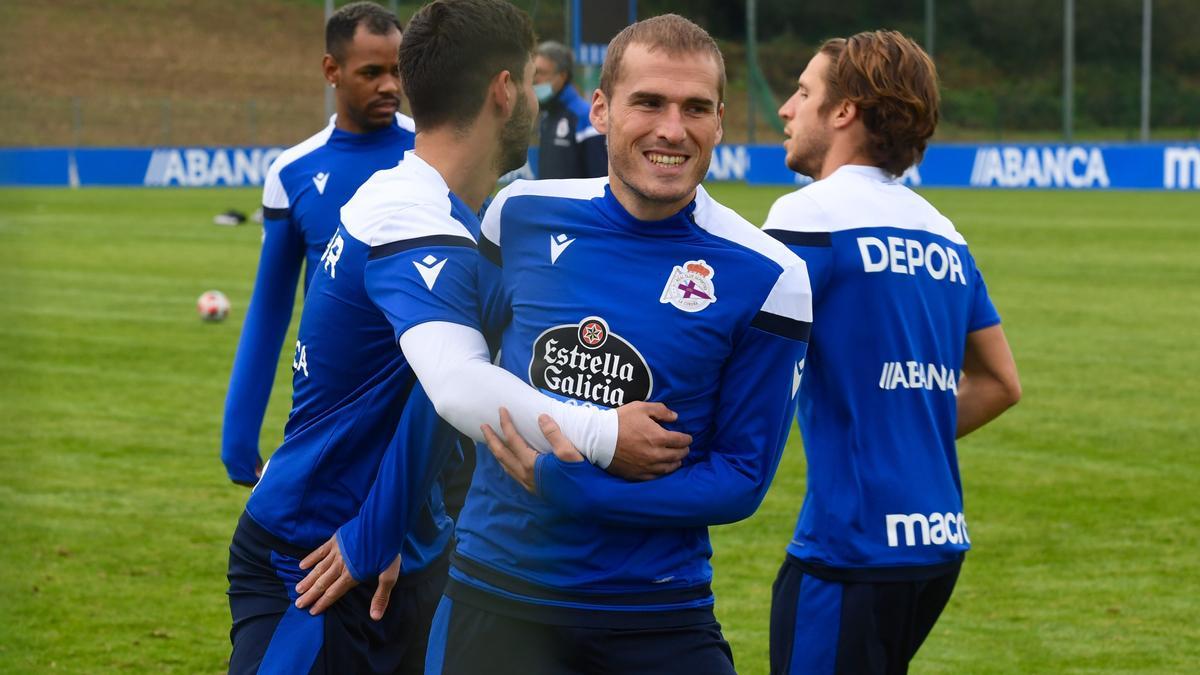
{"x": 451, "y": 51}
{"x": 340, "y": 29}
{"x": 893, "y": 83}
{"x": 672, "y": 34}
{"x": 558, "y": 54}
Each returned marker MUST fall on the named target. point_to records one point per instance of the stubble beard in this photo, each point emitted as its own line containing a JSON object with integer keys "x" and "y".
{"x": 808, "y": 160}
{"x": 621, "y": 170}
{"x": 514, "y": 139}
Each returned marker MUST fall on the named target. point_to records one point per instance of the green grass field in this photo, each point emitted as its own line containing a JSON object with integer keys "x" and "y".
{"x": 1082, "y": 501}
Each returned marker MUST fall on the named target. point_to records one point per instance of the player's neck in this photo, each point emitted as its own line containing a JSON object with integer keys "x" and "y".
{"x": 346, "y": 122}
{"x": 456, "y": 157}
{"x": 841, "y": 154}
{"x": 846, "y": 148}
{"x": 644, "y": 208}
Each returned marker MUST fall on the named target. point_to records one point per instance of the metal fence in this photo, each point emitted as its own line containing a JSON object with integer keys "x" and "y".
{"x": 1104, "y": 76}
{"x": 150, "y": 121}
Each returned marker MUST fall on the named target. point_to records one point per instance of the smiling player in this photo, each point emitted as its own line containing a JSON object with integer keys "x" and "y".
{"x": 638, "y": 286}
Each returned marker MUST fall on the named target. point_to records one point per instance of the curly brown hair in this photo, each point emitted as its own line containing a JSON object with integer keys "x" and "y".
{"x": 893, "y": 83}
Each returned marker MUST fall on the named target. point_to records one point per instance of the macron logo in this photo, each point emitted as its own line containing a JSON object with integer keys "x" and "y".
{"x": 936, "y": 529}
{"x": 429, "y": 267}
{"x": 558, "y": 244}
{"x": 796, "y": 376}
{"x": 319, "y": 180}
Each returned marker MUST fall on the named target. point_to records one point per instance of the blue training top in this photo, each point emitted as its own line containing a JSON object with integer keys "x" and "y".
{"x": 700, "y": 311}
{"x": 896, "y": 292}
{"x": 363, "y": 444}
{"x": 304, "y": 189}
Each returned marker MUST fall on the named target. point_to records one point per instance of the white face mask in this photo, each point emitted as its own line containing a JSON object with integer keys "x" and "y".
{"x": 543, "y": 91}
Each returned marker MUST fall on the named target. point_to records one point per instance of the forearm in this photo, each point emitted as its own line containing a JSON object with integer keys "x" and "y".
{"x": 416, "y": 456}
{"x": 257, "y": 357}
{"x": 451, "y": 361}
{"x": 712, "y": 492}
{"x": 989, "y": 384}
{"x": 981, "y": 399}
{"x": 752, "y": 418}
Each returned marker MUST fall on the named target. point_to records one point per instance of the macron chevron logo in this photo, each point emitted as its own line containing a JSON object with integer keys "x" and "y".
{"x": 319, "y": 180}
{"x": 799, "y": 373}
{"x": 558, "y": 244}
{"x": 430, "y": 267}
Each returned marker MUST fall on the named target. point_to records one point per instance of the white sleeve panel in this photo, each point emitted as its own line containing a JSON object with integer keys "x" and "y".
{"x": 274, "y": 196}
{"x": 857, "y": 197}
{"x": 563, "y": 188}
{"x": 791, "y": 296}
{"x": 797, "y": 212}
{"x": 375, "y": 217}
{"x": 451, "y": 361}
{"x": 490, "y": 226}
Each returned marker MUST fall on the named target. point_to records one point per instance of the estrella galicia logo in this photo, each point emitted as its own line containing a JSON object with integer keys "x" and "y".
{"x": 588, "y": 362}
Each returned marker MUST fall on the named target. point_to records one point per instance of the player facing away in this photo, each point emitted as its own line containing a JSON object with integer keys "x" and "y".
{"x": 305, "y": 187}
{"x": 634, "y": 287}
{"x": 900, "y": 311}
{"x": 394, "y": 299}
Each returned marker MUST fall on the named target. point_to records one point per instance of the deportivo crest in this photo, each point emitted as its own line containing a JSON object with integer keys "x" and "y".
{"x": 587, "y": 362}
{"x": 690, "y": 286}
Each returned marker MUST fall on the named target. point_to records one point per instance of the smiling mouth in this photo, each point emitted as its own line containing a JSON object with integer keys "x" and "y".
{"x": 660, "y": 159}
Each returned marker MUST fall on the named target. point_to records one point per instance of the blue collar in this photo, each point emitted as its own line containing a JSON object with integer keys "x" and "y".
{"x": 347, "y": 139}
{"x": 681, "y": 223}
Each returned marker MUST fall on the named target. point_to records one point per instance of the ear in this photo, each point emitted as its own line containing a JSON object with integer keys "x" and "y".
{"x": 331, "y": 69}
{"x": 599, "y": 113}
{"x": 844, "y": 114}
{"x": 720, "y": 122}
{"x": 503, "y": 92}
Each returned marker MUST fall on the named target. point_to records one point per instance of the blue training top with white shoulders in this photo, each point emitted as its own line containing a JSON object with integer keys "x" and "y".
{"x": 699, "y": 311}
{"x": 304, "y": 190}
{"x": 896, "y": 292}
{"x": 363, "y": 444}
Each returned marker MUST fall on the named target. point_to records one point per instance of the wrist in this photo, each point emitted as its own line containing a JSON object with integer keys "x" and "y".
{"x": 346, "y": 557}
{"x": 605, "y": 448}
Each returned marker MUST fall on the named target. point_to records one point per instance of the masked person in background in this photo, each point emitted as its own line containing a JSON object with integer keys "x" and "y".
{"x": 570, "y": 146}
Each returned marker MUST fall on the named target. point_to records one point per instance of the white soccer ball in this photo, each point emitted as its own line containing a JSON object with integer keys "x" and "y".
{"x": 212, "y": 306}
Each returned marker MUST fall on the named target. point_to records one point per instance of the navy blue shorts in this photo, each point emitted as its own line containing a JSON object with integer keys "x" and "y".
{"x": 821, "y": 626}
{"x": 468, "y": 640}
{"x": 270, "y": 635}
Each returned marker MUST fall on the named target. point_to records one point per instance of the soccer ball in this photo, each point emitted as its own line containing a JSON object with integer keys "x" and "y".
{"x": 212, "y": 306}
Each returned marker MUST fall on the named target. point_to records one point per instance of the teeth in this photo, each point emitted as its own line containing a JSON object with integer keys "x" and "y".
{"x": 665, "y": 160}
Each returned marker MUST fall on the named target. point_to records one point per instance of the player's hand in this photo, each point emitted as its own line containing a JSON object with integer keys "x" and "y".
{"x": 257, "y": 475}
{"x": 515, "y": 455}
{"x": 328, "y": 581}
{"x": 645, "y": 449}
{"x": 383, "y": 591}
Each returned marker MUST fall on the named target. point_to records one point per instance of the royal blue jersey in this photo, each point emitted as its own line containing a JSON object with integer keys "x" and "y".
{"x": 699, "y": 311}
{"x": 362, "y": 445}
{"x": 895, "y": 293}
{"x": 304, "y": 189}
